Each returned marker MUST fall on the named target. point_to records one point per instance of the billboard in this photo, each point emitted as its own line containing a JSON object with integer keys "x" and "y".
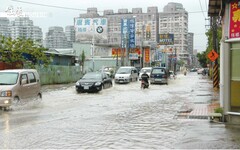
{"x": 166, "y": 39}
{"x": 86, "y": 28}
{"x": 234, "y": 20}
{"x": 128, "y": 33}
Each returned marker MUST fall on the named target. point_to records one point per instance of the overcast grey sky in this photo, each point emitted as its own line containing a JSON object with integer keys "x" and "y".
{"x": 62, "y": 17}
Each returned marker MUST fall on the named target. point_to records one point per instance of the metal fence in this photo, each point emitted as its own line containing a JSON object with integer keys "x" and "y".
{"x": 55, "y": 74}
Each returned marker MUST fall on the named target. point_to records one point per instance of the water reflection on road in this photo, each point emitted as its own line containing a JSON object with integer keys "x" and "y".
{"x": 122, "y": 117}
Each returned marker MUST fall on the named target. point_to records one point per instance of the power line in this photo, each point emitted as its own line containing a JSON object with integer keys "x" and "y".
{"x": 202, "y": 9}
{"x": 191, "y": 12}
{"x": 53, "y": 6}
{"x": 206, "y": 4}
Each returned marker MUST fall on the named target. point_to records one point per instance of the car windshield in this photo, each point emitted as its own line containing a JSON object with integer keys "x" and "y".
{"x": 147, "y": 70}
{"x": 124, "y": 71}
{"x": 158, "y": 71}
{"x": 8, "y": 78}
{"x": 92, "y": 76}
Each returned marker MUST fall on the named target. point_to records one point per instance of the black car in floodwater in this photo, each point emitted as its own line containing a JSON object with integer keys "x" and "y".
{"x": 159, "y": 75}
{"x": 93, "y": 82}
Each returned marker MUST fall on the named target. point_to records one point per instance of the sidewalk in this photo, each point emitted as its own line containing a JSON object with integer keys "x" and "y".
{"x": 196, "y": 110}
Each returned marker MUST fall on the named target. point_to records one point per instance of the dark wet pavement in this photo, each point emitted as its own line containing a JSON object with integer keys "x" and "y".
{"x": 123, "y": 117}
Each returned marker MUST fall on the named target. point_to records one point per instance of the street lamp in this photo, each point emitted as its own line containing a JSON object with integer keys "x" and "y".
{"x": 141, "y": 48}
{"x": 93, "y": 46}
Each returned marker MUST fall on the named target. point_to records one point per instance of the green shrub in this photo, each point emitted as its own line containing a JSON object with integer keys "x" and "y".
{"x": 218, "y": 110}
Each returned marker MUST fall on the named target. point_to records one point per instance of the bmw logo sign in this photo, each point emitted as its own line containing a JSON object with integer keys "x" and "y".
{"x": 99, "y": 29}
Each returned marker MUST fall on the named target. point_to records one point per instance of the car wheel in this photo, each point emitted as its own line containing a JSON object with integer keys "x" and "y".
{"x": 39, "y": 98}
{"x": 79, "y": 91}
{"x": 15, "y": 101}
{"x": 6, "y": 108}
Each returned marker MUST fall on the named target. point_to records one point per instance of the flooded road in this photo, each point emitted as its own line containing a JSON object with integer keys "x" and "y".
{"x": 122, "y": 117}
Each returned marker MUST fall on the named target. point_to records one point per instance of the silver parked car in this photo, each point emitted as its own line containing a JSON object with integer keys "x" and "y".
{"x": 126, "y": 74}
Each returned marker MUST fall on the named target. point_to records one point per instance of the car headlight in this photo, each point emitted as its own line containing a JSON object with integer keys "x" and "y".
{"x": 6, "y": 93}
{"x": 98, "y": 83}
{"x": 77, "y": 83}
{"x": 6, "y": 102}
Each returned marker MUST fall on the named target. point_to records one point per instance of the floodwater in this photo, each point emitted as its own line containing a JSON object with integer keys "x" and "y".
{"x": 122, "y": 117}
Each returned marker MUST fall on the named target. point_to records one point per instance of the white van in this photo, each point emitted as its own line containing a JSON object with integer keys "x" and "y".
{"x": 126, "y": 74}
{"x": 18, "y": 85}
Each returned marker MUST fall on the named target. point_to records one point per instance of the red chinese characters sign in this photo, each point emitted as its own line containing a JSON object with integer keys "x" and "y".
{"x": 234, "y": 19}
{"x": 147, "y": 55}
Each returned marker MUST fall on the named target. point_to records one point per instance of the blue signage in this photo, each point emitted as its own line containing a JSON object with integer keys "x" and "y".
{"x": 124, "y": 29}
{"x": 128, "y": 33}
{"x": 131, "y": 30}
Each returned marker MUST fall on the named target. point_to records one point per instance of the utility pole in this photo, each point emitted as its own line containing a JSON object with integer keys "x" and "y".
{"x": 142, "y": 49}
{"x": 126, "y": 48}
{"x": 175, "y": 62}
{"x": 93, "y": 48}
{"x": 215, "y": 47}
{"x": 117, "y": 59}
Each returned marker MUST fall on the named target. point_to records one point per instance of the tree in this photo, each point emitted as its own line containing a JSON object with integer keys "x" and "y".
{"x": 202, "y": 58}
{"x": 82, "y": 59}
{"x": 209, "y": 35}
{"x": 22, "y": 50}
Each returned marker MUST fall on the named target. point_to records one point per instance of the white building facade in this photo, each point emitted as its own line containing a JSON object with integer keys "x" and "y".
{"x": 70, "y": 34}
{"x": 56, "y": 38}
{"x": 174, "y": 20}
{"x": 4, "y": 27}
{"x": 22, "y": 27}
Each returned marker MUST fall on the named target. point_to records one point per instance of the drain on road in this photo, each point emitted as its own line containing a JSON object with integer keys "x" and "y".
{"x": 197, "y": 117}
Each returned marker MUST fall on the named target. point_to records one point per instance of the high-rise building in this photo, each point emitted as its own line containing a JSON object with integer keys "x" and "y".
{"x": 174, "y": 19}
{"x": 4, "y": 27}
{"x": 190, "y": 43}
{"x": 56, "y": 38}
{"x": 148, "y": 26}
{"x": 70, "y": 34}
{"x": 22, "y": 27}
{"x": 145, "y": 23}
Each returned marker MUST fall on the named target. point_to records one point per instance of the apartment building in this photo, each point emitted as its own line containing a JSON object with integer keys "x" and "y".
{"x": 148, "y": 26}
{"x": 174, "y": 20}
{"x": 4, "y": 26}
{"x": 70, "y": 34}
{"x": 56, "y": 38}
{"x": 22, "y": 27}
